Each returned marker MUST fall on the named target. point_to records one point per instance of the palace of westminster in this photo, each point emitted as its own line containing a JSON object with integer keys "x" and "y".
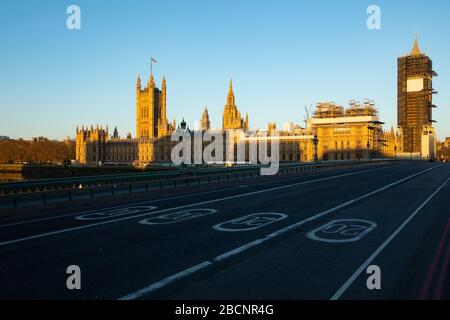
{"x": 332, "y": 132}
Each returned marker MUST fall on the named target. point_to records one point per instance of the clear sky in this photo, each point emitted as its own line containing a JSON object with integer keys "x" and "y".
{"x": 282, "y": 55}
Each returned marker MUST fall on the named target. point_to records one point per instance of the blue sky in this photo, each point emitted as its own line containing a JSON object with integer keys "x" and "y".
{"x": 282, "y": 55}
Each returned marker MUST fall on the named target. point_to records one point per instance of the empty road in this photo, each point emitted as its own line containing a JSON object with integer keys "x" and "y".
{"x": 299, "y": 236}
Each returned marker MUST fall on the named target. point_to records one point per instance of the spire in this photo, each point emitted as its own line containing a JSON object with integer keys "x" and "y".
{"x": 230, "y": 98}
{"x": 138, "y": 81}
{"x": 416, "y": 50}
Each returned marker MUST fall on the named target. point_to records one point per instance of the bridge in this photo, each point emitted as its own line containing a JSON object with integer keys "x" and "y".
{"x": 311, "y": 232}
{"x": 45, "y": 191}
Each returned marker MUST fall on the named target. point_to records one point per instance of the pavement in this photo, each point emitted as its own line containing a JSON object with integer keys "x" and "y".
{"x": 297, "y": 236}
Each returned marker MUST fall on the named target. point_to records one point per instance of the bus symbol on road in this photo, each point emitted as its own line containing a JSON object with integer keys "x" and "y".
{"x": 250, "y": 222}
{"x": 178, "y": 216}
{"x": 113, "y": 213}
{"x": 342, "y": 231}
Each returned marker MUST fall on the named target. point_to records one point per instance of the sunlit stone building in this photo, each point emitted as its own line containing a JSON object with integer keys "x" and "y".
{"x": 331, "y": 133}
{"x": 352, "y": 133}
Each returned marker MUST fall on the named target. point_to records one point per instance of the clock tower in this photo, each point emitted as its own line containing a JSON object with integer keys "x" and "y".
{"x": 414, "y": 97}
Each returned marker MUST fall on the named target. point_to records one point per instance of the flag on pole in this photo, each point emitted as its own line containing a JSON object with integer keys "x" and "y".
{"x": 151, "y": 64}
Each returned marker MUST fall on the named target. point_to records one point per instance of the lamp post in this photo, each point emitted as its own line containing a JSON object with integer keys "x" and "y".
{"x": 369, "y": 137}
{"x": 315, "y": 142}
{"x": 412, "y": 139}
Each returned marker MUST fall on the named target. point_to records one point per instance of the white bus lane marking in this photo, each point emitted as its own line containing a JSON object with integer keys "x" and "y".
{"x": 112, "y": 213}
{"x": 250, "y": 222}
{"x": 178, "y": 216}
{"x": 342, "y": 231}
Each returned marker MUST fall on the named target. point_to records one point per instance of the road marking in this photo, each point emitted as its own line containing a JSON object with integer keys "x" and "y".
{"x": 61, "y": 231}
{"x": 187, "y": 196}
{"x": 159, "y": 284}
{"x": 369, "y": 260}
{"x": 108, "y": 213}
{"x": 73, "y": 214}
{"x": 166, "y": 281}
{"x": 250, "y": 222}
{"x": 342, "y": 231}
{"x": 175, "y": 217}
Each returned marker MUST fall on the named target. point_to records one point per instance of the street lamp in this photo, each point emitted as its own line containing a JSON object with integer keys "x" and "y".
{"x": 369, "y": 137}
{"x": 315, "y": 142}
{"x": 412, "y": 139}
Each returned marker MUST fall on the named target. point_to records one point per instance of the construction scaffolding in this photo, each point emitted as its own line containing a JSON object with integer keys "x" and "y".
{"x": 328, "y": 110}
{"x": 414, "y": 97}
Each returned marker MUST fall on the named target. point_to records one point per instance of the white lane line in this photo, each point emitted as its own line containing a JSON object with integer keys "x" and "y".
{"x": 238, "y": 250}
{"x": 369, "y": 260}
{"x": 164, "y": 282}
{"x": 52, "y": 233}
{"x": 174, "y": 198}
{"x": 159, "y": 284}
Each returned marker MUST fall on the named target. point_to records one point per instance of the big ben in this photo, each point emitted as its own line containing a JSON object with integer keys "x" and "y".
{"x": 414, "y": 97}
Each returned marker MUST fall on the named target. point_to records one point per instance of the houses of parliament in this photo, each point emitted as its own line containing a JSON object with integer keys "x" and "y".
{"x": 331, "y": 132}
{"x": 152, "y": 144}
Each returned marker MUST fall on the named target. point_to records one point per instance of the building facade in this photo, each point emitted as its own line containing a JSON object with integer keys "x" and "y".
{"x": 350, "y": 134}
{"x": 95, "y": 146}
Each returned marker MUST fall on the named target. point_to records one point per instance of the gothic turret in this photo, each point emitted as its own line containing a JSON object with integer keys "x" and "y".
{"x": 205, "y": 123}
{"x": 231, "y": 116}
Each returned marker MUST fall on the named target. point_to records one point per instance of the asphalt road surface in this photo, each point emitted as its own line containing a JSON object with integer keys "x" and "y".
{"x": 304, "y": 236}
